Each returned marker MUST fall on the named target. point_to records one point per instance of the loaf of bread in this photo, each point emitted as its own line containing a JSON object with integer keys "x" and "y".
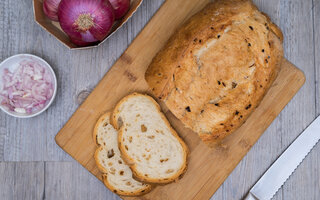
{"x": 214, "y": 71}
{"x": 117, "y": 176}
{"x": 153, "y": 150}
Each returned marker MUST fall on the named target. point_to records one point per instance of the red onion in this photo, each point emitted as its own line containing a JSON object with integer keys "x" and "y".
{"x": 50, "y": 9}
{"x": 86, "y": 21}
{"x": 120, "y": 7}
{"x": 81, "y": 43}
{"x": 28, "y": 89}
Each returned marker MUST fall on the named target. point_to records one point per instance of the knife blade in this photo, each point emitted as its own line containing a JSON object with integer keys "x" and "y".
{"x": 273, "y": 179}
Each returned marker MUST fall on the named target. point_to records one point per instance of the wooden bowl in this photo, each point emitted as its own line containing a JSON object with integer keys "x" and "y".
{"x": 54, "y": 27}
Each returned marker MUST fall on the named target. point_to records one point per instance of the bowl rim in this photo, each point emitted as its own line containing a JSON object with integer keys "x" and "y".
{"x": 54, "y": 90}
{"x": 55, "y": 30}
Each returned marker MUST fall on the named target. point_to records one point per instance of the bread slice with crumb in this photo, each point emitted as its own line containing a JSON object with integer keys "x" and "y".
{"x": 117, "y": 176}
{"x": 153, "y": 150}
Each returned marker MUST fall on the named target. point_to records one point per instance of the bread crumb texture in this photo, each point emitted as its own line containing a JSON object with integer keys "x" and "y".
{"x": 147, "y": 140}
{"x": 117, "y": 175}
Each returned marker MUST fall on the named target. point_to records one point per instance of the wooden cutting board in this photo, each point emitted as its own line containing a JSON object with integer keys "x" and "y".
{"x": 207, "y": 168}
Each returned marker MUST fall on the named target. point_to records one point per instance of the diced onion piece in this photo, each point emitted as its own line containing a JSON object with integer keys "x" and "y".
{"x": 28, "y": 89}
{"x": 20, "y": 110}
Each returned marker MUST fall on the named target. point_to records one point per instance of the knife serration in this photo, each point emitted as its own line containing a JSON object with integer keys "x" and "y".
{"x": 273, "y": 179}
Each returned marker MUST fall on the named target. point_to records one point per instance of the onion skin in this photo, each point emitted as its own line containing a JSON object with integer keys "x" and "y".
{"x": 86, "y": 21}
{"x": 81, "y": 43}
{"x": 50, "y": 9}
{"x": 120, "y": 7}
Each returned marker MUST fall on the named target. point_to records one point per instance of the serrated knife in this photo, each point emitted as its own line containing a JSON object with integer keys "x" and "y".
{"x": 284, "y": 166}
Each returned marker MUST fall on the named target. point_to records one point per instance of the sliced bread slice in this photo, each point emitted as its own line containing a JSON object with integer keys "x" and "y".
{"x": 153, "y": 150}
{"x": 117, "y": 176}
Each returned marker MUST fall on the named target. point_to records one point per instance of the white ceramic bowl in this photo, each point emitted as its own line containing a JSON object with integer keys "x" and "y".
{"x": 12, "y": 63}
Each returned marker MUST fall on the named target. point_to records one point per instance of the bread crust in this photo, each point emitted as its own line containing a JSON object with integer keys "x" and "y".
{"x": 136, "y": 193}
{"x": 140, "y": 176}
{"x": 100, "y": 167}
{"x": 215, "y": 70}
{"x": 96, "y": 127}
{"x": 104, "y": 172}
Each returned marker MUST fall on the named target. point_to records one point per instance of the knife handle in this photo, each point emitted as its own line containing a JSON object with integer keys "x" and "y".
{"x": 250, "y": 197}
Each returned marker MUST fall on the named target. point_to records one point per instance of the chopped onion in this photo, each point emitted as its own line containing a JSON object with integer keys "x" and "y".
{"x": 28, "y": 89}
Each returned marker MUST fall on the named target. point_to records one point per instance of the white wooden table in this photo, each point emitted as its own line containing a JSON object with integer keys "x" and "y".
{"x": 32, "y": 166}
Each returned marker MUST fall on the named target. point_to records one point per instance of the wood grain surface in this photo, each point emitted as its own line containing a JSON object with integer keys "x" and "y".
{"x": 18, "y": 180}
{"x": 33, "y": 139}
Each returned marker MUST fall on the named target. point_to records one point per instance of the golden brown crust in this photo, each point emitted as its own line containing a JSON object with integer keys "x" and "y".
{"x": 100, "y": 167}
{"x": 96, "y": 127}
{"x": 140, "y": 176}
{"x": 122, "y": 193}
{"x": 215, "y": 70}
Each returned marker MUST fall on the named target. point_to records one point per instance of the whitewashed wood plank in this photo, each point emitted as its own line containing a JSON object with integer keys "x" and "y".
{"x": 297, "y": 23}
{"x": 316, "y": 31}
{"x": 315, "y": 155}
{"x": 69, "y": 180}
{"x": 25, "y": 138}
{"x": 304, "y": 183}
{"x": 272, "y": 8}
{"x": 219, "y": 193}
{"x": 23, "y": 180}
{"x": 2, "y": 136}
{"x": 142, "y": 17}
{"x": 308, "y": 178}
